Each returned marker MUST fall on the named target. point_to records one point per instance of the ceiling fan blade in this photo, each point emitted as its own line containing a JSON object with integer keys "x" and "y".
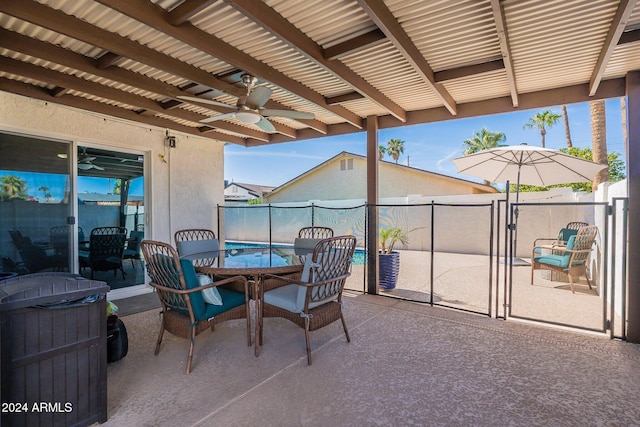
{"x": 87, "y": 159}
{"x": 204, "y": 101}
{"x": 218, "y": 117}
{"x": 100, "y": 168}
{"x": 290, "y": 114}
{"x": 258, "y": 97}
{"x": 266, "y": 125}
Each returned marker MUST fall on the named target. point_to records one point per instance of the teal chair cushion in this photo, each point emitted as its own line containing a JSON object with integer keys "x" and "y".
{"x": 565, "y": 233}
{"x": 230, "y": 299}
{"x": 555, "y": 260}
{"x": 191, "y": 280}
{"x": 202, "y": 310}
{"x": 559, "y": 260}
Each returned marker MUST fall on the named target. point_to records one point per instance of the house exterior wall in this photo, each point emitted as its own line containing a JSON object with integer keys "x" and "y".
{"x": 182, "y": 193}
{"x": 330, "y": 182}
{"x": 237, "y": 192}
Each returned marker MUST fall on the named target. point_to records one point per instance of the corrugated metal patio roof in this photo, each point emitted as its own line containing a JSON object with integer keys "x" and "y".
{"x": 405, "y": 61}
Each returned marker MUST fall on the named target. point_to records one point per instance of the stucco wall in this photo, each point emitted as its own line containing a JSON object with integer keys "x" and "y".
{"x": 181, "y": 193}
{"x": 329, "y": 182}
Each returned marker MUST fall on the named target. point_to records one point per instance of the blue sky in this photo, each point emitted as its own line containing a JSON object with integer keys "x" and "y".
{"x": 55, "y": 183}
{"x": 430, "y": 147}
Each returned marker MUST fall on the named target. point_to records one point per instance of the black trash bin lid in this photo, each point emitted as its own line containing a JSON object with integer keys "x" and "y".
{"x": 41, "y": 289}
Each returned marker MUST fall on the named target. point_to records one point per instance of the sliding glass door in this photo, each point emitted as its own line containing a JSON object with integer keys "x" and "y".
{"x": 111, "y": 201}
{"x": 36, "y": 219}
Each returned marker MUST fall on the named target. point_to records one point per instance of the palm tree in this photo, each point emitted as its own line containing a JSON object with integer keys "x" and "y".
{"x": 12, "y": 187}
{"x": 45, "y": 190}
{"x": 542, "y": 121}
{"x": 567, "y": 131}
{"x": 483, "y": 140}
{"x": 599, "y": 140}
{"x": 395, "y": 147}
{"x": 381, "y": 151}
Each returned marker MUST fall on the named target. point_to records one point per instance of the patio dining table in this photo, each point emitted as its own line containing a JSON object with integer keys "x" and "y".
{"x": 252, "y": 263}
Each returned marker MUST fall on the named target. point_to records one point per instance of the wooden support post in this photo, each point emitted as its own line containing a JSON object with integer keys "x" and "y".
{"x": 372, "y": 201}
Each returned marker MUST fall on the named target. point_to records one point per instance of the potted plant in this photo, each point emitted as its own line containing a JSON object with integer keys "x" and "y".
{"x": 388, "y": 259}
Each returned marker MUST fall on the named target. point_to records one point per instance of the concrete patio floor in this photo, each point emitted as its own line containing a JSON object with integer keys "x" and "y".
{"x": 407, "y": 364}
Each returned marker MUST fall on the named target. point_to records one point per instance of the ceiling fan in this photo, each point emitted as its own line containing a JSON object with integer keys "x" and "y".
{"x": 249, "y": 109}
{"x": 85, "y": 162}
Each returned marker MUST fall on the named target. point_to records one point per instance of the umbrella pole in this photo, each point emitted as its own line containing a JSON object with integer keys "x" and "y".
{"x": 515, "y": 260}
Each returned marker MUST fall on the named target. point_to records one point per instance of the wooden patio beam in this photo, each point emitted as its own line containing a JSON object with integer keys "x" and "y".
{"x": 36, "y": 92}
{"x": 284, "y": 30}
{"x": 59, "y": 55}
{"x": 354, "y": 45}
{"x": 187, "y": 10}
{"x": 68, "y": 81}
{"x": 505, "y": 48}
{"x": 384, "y": 19}
{"x": 616, "y": 29}
{"x": 156, "y": 17}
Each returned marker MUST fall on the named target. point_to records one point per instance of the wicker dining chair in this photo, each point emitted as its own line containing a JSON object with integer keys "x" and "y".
{"x": 315, "y": 233}
{"x": 312, "y": 300}
{"x": 185, "y": 313}
{"x": 194, "y": 240}
{"x": 106, "y": 247}
{"x": 572, "y": 259}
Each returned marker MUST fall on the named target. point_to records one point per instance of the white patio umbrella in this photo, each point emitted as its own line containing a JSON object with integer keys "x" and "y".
{"x": 526, "y": 164}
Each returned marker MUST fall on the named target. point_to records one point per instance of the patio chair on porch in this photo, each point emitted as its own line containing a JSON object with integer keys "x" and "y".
{"x": 197, "y": 240}
{"x": 132, "y": 250}
{"x": 315, "y": 233}
{"x": 571, "y": 229}
{"x": 307, "y": 239}
{"x": 185, "y": 313}
{"x": 571, "y": 259}
{"x": 314, "y": 300}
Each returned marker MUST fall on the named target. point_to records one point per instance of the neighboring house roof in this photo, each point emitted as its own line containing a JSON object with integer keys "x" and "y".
{"x": 479, "y": 187}
{"x": 252, "y": 190}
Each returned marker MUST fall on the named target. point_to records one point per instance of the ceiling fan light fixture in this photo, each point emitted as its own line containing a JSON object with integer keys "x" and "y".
{"x": 248, "y": 117}
{"x": 85, "y": 166}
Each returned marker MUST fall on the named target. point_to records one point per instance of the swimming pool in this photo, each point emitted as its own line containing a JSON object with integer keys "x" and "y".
{"x": 359, "y": 256}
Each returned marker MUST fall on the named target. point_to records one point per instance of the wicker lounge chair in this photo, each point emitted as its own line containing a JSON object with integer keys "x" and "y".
{"x": 185, "y": 313}
{"x": 571, "y": 229}
{"x": 571, "y": 259}
{"x": 313, "y": 299}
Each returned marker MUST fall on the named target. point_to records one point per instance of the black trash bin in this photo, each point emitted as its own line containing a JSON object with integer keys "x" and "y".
{"x": 53, "y": 358}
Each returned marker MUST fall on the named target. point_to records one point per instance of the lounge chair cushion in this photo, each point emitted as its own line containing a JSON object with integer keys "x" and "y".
{"x": 190, "y": 247}
{"x": 210, "y": 295}
{"x": 306, "y": 270}
{"x": 305, "y": 243}
{"x": 565, "y": 233}
{"x": 201, "y": 309}
{"x": 231, "y": 299}
{"x": 291, "y": 298}
{"x": 191, "y": 280}
{"x": 559, "y": 260}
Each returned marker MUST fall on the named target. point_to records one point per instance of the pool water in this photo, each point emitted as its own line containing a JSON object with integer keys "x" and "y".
{"x": 359, "y": 256}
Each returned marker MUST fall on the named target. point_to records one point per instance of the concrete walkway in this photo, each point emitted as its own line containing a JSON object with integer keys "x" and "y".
{"x": 407, "y": 364}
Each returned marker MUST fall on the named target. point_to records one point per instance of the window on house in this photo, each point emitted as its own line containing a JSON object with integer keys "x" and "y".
{"x": 346, "y": 164}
